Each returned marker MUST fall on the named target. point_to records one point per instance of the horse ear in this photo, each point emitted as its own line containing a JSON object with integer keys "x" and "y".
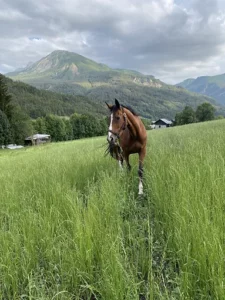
{"x": 117, "y": 103}
{"x": 109, "y": 106}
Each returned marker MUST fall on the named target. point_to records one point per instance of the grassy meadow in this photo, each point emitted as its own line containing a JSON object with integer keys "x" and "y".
{"x": 72, "y": 225}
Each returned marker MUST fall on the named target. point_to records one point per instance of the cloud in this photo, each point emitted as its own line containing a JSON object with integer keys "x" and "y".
{"x": 169, "y": 39}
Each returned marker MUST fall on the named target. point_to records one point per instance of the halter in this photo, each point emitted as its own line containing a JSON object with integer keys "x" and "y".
{"x": 123, "y": 126}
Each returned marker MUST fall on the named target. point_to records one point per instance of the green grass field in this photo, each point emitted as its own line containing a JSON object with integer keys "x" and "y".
{"x": 74, "y": 227}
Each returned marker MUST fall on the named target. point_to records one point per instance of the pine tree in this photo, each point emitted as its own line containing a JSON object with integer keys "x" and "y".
{"x": 5, "y": 99}
{"x": 5, "y": 131}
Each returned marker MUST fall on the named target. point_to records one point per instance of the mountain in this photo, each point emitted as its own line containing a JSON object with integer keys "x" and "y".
{"x": 212, "y": 86}
{"x": 69, "y": 73}
{"x": 63, "y": 66}
{"x": 186, "y": 82}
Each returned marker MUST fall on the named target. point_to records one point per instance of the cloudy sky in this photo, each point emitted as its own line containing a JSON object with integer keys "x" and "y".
{"x": 170, "y": 39}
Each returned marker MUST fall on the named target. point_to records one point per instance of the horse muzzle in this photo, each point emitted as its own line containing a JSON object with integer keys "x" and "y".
{"x": 113, "y": 140}
{"x": 112, "y": 137}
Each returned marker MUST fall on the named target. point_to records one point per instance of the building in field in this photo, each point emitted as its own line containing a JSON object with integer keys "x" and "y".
{"x": 162, "y": 123}
{"x": 37, "y": 139}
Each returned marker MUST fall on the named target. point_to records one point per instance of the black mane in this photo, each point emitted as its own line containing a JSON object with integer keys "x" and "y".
{"x": 114, "y": 108}
{"x": 131, "y": 110}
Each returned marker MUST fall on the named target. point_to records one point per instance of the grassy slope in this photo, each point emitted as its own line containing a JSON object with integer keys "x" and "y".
{"x": 72, "y": 225}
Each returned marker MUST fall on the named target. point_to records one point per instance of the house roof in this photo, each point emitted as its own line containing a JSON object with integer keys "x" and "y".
{"x": 37, "y": 136}
{"x": 166, "y": 121}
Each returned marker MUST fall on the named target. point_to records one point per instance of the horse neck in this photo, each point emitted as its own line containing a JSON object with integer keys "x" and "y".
{"x": 132, "y": 122}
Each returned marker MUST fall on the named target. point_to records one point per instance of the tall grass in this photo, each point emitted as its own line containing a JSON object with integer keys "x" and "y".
{"x": 73, "y": 226}
{"x": 187, "y": 181}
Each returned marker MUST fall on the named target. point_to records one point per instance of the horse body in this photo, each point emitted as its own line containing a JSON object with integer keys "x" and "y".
{"x": 127, "y": 135}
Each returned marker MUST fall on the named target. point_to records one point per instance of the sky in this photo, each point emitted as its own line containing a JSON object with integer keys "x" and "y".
{"x": 170, "y": 39}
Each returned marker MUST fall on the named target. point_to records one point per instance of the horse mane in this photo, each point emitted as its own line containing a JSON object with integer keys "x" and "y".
{"x": 130, "y": 109}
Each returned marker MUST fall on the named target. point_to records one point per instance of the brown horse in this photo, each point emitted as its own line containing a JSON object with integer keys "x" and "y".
{"x": 127, "y": 135}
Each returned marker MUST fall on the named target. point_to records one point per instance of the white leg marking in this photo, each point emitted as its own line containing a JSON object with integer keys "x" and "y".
{"x": 140, "y": 187}
{"x": 120, "y": 164}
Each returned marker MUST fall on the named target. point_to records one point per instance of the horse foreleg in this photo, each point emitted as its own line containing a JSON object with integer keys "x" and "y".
{"x": 119, "y": 157}
{"x": 120, "y": 161}
{"x": 140, "y": 170}
{"x": 126, "y": 157}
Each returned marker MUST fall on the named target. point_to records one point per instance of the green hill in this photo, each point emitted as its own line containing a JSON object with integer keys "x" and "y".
{"x": 69, "y": 73}
{"x": 212, "y": 86}
{"x": 37, "y": 103}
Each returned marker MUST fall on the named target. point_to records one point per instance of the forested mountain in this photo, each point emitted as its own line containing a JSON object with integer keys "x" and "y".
{"x": 72, "y": 74}
{"x": 38, "y": 103}
{"x": 78, "y": 118}
{"x": 212, "y": 86}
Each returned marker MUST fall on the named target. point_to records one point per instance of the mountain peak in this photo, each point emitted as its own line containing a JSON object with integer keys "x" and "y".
{"x": 212, "y": 86}
{"x": 60, "y": 64}
{"x": 69, "y": 66}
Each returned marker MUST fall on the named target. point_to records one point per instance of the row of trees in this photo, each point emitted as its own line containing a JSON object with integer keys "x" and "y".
{"x": 69, "y": 128}
{"x": 204, "y": 112}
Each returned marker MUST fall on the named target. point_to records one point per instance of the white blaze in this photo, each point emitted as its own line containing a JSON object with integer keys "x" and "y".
{"x": 110, "y": 128}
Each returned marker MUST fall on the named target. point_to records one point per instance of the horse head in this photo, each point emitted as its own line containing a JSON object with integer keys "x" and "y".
{"x": 118, "y": 122}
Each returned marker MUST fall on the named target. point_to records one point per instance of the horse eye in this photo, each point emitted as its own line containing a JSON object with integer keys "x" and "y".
{"x": 117, "y": 118}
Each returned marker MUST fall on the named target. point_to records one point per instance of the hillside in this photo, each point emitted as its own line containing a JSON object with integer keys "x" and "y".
{"x": 73, "y": 226}
{"x": 69, "y": 73}
{"x": 212, "y": 86}
{"x": 37, "y": 103}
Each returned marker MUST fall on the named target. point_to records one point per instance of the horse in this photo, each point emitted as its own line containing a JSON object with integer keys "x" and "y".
{"x": 126, "y": 135}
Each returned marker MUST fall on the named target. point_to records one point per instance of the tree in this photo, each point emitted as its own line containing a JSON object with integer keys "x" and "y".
{"x": 103, "y": 126}
{"x": 15, "y": 124}
{"x": 220, "y": 117}
{"x": 39, "y": 125}
{"x": 147, "y": 123}
{"x": 69, "y": 130}
{"x": 187, "y": 116}
{"x": 5, "y": 99}
{"x": 87, "y": 126}
{"x": 60, "y": 129}
{"x": 5, "y": 131}
{"x": 55, "y": 126}
{"x": 178, "y": 118}
{"x": 205, "y": 112}
{"x": 91, "y": 125}
{"x": 21, "y": 125}
{"x": 78, "y": 127}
